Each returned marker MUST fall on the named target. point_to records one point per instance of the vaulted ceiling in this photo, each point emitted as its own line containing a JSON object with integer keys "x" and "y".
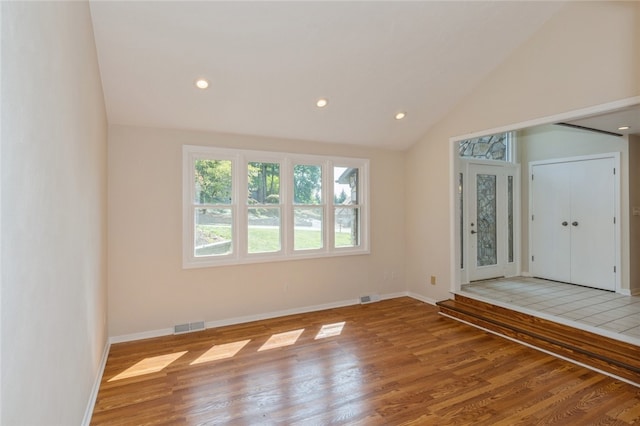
{"x": 269, "y": 62}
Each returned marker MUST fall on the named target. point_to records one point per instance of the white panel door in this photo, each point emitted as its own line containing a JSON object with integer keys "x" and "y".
{"x": 550, "y": 228}
{"x": 572, "y": 226}
{"x": 592, "y": 223}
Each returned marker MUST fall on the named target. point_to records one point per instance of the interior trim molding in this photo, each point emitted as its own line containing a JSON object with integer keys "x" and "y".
{"x": 395, "y": 295}
{"x": 555, "y": 118}
{"x": 267, "y": 315}
{"x": 282, "y": 313}
{"x": 141, "y": 335}
{"x": 421, "y": 298}
{"x": 86, "y": 421}
{"x": 575, "y": 114}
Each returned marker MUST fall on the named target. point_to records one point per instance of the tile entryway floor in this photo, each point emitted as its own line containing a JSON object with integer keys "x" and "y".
{"x": 599, "y": 311}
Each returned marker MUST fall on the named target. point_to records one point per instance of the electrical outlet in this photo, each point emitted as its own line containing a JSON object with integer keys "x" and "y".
{"x": 433, "y": 280}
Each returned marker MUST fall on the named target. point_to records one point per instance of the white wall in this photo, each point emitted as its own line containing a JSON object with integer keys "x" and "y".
{"x": 586, "y": 55}
{"x": 552, "y": 141}
{"x": 53, "y": 213}
{"x": 150, "y": 292}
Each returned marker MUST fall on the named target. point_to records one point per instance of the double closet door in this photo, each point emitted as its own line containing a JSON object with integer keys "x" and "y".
{"x": 573, "y": 221}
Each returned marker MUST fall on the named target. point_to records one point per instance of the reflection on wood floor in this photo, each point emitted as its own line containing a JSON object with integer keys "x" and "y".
{"x": 599, "y": 311}
{"x": 387, "y": 363}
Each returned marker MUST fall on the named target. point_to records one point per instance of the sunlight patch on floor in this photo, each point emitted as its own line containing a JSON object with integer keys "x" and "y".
{"x": 330, "y": 330}
{"x": 224, "y": 351}
{"x": 148, "y": 365}
{"x": 279, "y": 340}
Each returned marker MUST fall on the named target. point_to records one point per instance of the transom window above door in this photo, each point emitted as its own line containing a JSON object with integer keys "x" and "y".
{"x": 499, "y": 146}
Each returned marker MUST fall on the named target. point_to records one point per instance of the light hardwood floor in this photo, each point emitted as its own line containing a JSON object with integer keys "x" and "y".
{"x": 388, "y": 363}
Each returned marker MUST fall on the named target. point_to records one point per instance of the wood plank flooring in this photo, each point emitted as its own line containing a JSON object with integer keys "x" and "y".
{"x": 395, "y": 362}
{"x": 616, "y": 357}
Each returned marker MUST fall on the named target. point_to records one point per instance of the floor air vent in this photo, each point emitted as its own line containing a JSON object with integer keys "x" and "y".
{"x": 370, "y": 298}
{"x": 188, "y": 327}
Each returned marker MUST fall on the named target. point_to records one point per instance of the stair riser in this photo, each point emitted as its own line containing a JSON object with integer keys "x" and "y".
{"x": 561, "y": 331}
{"x": 592, "y": 359}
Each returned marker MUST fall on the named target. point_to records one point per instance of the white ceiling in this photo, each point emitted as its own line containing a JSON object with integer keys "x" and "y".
{"x": 268, "y": 63}
{"x": 612, "y": 121}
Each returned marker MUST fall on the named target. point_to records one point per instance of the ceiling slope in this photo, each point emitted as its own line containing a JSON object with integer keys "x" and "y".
{"x": 268, "y": 63}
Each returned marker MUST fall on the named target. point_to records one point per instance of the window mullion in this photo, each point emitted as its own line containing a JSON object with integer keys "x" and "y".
{"x": 240, "y": 204}
{"x": 329, "y": 210}
{"x": 286, "y": 203}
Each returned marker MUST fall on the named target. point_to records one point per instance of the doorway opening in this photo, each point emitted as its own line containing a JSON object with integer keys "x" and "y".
{"x": 461, "y": 185}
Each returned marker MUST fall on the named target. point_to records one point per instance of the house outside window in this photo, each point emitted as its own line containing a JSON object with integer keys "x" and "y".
{"x": 346, "y": 207}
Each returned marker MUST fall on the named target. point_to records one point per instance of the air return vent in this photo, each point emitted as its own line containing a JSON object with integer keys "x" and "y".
{"x": 370, "y": 298}
{"x": 188, "y": 327}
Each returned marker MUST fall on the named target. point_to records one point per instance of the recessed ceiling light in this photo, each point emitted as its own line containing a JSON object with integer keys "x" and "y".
{"x": 624, "y": 128}
{"x": 322, "y": 102}
{"x": 401, "y": 115}
{"x": 202, "y": 83}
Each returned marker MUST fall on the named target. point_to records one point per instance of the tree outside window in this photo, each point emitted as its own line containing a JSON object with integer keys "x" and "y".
{"x": 286, "y": 206}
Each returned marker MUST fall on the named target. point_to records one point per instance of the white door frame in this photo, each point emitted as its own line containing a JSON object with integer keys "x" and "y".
{"x": 455, "y": 272}
{"x": 617, "y": 205}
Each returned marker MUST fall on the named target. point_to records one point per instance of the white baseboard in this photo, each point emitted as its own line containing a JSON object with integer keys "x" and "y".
{"x": 314, "y": 308}
{"x": 96, "y": 386}
{"x": 394, "y": 295}
{"x": 267, "y": 315}
{"x": 629, "y": 291}
{"x": 277, "y": 314}
{"x": 421, "y": 298}
{"x": 236, "y": 320}
{"x": 139, "y": 336}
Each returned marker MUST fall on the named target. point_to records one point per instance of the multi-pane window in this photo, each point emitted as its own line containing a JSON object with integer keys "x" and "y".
{"x": 346, "y": 207}
{"x": 249, "y": 206}
{"x": 264, "y": 211}
{"x": 308, "y": 207}
{"x": 212, "y": 208}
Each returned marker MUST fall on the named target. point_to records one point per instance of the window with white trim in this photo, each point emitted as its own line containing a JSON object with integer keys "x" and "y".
{"x": 243, "y": 206}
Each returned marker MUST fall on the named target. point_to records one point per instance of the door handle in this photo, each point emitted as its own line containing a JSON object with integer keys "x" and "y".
{"x": 574, "y": 223}
{"x": 473, "y": 231}
{"x": 565, "y": 223}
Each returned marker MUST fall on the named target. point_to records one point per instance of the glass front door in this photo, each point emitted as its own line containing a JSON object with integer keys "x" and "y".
{"x": 490, "y": 221}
